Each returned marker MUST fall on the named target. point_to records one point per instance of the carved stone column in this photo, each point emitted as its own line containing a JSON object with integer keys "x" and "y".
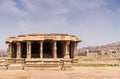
{"x": 75, "y": 49}
{"x": 41, "y": 49}
{"x": 54, "y": 49}
{"x": 28, "y": 49}
{"x": 18, "y": 49}
{"x": 66, "y": 49}
{"x": 10, "y": 50}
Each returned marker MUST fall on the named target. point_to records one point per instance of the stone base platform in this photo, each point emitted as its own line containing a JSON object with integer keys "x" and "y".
{"x": 41, "y": 68}
{"x": 3, "y": 64}
{"x": 15, "y": 60}
{"x": 66, "y": 64}
{"x": 42, "y": 64}
{"x": 33, "y": 63}
{"x": 16, "y": 67}
{"x": 75, "y": 60}
{"x": 3, "y": 67}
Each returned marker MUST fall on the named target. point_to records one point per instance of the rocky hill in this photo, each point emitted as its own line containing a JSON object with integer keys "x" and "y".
{"x": 115, "y": 46}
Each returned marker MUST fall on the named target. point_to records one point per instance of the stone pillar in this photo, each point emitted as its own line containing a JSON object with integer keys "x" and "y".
{"x": 10, "y": 50}
{"x": 18, "y": 49}
{"x": 75, "y": 49}
{"x": 41, "y": 49}
{"x": 66, "y": 50}
{"x": 87, "y": 52}
{"x": 28, "y": 49}
{"x": 54, "y": 49}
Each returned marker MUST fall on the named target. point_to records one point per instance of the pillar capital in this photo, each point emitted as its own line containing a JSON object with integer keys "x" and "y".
{"x": 28, "y": 42}
{"x": 67, "y": 42}
{"x": 18, "y": 43}
{"x": 9, "y": 44}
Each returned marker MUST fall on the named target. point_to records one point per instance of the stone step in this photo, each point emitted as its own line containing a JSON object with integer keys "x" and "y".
{"x": 41, "y": 68}
{"x": 3, "y": 67}
{"x": 16, "y": 67}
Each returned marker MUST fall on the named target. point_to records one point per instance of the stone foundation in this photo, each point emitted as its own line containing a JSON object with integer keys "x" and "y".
{"x": 3, "y": 64}
{"x": 39, "y": 64}
{"x": 16, "y": 67}
{"x": 66, "y": 64}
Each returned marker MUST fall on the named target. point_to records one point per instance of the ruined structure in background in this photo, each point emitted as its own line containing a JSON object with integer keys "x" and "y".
{"x": 41, "y": 51}
{"x": 109, "y": 53}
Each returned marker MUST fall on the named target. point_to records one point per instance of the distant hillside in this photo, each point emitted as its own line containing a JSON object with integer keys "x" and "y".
{"x": 3, "y": 52}
{"x": 115, "y": 46}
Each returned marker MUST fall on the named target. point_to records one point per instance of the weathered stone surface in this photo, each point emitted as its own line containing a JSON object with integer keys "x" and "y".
{"x": 42, "y": 51}
{"x": 16, "y": 67}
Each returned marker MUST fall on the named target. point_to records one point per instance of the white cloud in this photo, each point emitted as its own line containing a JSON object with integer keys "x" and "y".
{"x": 63, "y": 6}
{"x": 28, "y": 4}
{"x": 95, "y": 28}
{"x": 53, "y": 1}
{"x": 55, "y": 24}
{"x": 86, "y": 4}
{"x": 9, "y": 7}
{"x": 61, "y": 10}
{"x": 75, "y": 5}
{"x": 51, "y": 6}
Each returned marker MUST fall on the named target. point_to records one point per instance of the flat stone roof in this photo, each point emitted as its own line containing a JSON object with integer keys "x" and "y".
{"x": 40, "y": 37}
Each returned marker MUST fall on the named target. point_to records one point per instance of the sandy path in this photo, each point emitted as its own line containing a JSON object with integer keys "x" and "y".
{"x": 76, "y": 73}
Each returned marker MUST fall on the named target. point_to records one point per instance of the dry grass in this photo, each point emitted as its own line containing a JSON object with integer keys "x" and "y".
{"x": 95, "y": 65}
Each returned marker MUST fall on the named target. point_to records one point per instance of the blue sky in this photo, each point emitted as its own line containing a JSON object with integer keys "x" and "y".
{"x": 96, "y": 22}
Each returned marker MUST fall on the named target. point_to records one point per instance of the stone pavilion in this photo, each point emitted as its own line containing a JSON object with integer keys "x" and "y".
{"x": 42, "y": 51}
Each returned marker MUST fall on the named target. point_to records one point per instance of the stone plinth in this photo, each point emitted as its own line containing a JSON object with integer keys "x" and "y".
{"x": 10, "y": 60}
{"x": 3, "y": 64}
{"x": 16, "y": 67}
{"x": 20, "y": 60}
{"x": 41, "y": 64}
{"x": 75, "y": 60}
{"x": 66, "y": 64}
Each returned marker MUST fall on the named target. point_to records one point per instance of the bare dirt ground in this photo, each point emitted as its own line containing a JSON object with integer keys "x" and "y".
{"x": 75, "y": 73}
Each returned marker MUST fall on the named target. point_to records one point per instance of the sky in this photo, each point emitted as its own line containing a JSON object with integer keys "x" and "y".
{"x": 95, "y": 22}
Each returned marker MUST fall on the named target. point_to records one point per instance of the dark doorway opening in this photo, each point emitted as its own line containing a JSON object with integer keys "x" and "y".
{"x": 47, "y": 49}
{"x": 35, "y": 49}
{"x": 60, "y": 49}
{"x": 24, "y": 50}
{"x": 14, "y": 50}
